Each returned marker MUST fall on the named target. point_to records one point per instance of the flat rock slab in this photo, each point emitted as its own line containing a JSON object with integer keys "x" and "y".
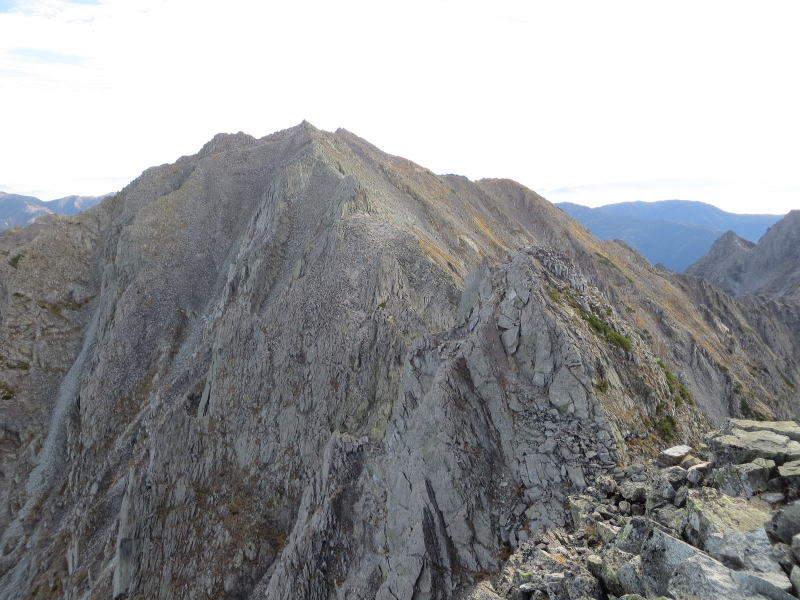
{"x": 674, "y": 455}
{"x": 740, "y": 446}
{"x": 788, "y": 428}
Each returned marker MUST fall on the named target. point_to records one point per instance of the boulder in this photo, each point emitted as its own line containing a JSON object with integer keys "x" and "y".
{"x": 697, "y": 472}
{"x": 703, "y": 578}
{"x": 745, "y": 479}
{"x": 749, "y": 551}
{"x": 616, "y": 573}
{"x": 675, "y": 475}
{"x": 690, "y": 461}
{"x": 785, "y": 523}
{"x": 661, "y": 555}
{"x": 674, "y": 455}
{"x": 709, "y": 511}
{"x": 633, "y": 535}
{"x": 633, "y": 491}
{"x": 581, "y": 508}
{"x": 790, "y": 471}
{"x": 740, "y": 446}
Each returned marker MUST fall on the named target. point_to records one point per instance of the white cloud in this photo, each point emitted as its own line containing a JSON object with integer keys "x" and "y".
{"x": 554, "y": 95}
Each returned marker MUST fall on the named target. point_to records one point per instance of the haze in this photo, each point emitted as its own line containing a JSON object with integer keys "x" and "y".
{"x": 582, "y": 101}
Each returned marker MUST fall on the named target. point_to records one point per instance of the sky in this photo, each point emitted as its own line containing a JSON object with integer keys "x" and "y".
{"x": 582, "y": 101}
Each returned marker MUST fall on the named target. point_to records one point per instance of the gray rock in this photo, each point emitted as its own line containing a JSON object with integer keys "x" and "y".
{"x": 689, "y": 461}
{"x": 633, "y": 535}
{"x": 697, "y": 472}
{"x": 674, "y": 455}
{"x": 680, "y": 496}
{"x": 710, "y": 512}
{"x": 795, "y": 578}
{"x": 675, "y": 475}
{"x": 788, "y": 428}
{"x": 791, "y": 472}
{"x": 785, "y": 523}
{"x": 745, "y": 479}
{"x": 633, "y": 491}
{"x": 616, "y": 572}
{"x": 750, "y": 551}
{"x": 702, "y": 578}
{"x": 740, "y": 446}
{"x": 661, "y": 555}
{"x": 772, "y": 498}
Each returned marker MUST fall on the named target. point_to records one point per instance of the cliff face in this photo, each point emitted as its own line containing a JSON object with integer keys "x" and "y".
{"x": 770, "y": 268}
{"x": 297, "y": 367}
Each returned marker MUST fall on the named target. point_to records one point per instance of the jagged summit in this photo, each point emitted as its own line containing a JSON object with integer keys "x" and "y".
{"x": 732, "y": 239}
{"x": 299, "y": 367}
{"x": 771, "y": 267}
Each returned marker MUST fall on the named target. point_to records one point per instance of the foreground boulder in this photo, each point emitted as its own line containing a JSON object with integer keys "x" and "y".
{"x": 739, "y": 446}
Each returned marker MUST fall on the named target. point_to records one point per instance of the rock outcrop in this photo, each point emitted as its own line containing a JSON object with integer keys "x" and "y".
{"x": 656, "y": 531}
{"x": 298, "y": 367}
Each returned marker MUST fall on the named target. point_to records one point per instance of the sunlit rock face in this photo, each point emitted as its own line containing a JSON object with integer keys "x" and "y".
{"x": 298, "y": 367}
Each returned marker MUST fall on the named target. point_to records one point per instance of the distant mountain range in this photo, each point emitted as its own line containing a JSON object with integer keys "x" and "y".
{"x": 675, "y": 233}
{"x": 17, "y": 210}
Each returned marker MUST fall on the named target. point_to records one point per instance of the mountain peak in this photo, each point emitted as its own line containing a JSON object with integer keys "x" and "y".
{"x": 302, "y": 339}
{"x": 732, "y": 239}
{"x": 771, "y": 267}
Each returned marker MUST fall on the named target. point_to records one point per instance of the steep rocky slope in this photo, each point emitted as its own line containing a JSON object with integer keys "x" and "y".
{"x": 769, "y": 268}
{"x": 298, "y": 367}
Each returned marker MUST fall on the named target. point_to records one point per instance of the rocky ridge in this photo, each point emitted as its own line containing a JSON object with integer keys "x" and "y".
{"x": 298, "y": 367}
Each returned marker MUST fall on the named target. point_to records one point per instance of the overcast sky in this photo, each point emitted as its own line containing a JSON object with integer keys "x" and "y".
{"x": 591, "y": 102}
